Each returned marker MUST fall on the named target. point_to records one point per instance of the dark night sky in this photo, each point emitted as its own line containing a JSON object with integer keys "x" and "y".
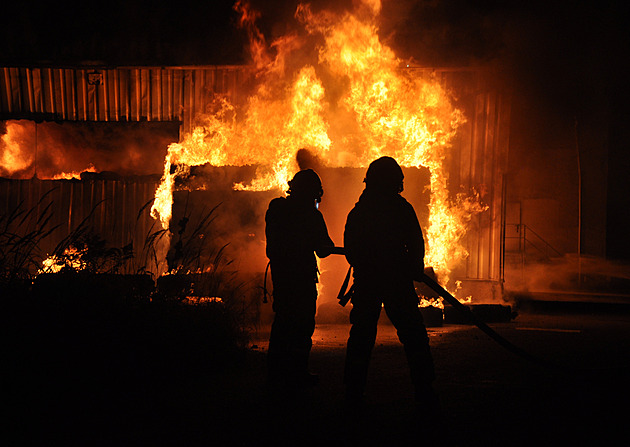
{"x": 562, "y": 52}
{"x": 564, "y": 60}
{"x": 559, "y": 49}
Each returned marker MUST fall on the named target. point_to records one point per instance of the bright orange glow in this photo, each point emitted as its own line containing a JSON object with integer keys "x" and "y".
{"x": 54, "y": 151}
{"x": 13, "y": 159}
{"x": 71, "y": 258}
{"x": 74, "y": 174}
{"x": 434, "y": 302}
{"x": 203, "y": 299}
{"x": 350, "y": 103}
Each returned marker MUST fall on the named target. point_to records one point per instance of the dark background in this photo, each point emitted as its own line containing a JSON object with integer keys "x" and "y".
{"x": 564, "y": 62}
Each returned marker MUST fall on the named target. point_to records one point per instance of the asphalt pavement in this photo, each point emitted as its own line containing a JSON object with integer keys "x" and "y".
{"x": 489, "y": 395}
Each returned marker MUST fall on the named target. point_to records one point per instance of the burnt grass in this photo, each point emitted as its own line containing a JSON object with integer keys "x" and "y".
{"x": 85, "y": 355}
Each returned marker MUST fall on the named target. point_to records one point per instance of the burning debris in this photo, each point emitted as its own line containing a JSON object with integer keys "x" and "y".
{"x": 72, "y": 258}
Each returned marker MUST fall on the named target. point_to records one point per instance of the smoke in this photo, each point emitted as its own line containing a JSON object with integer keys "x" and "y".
{"x": 441, "y": 33}
{"x": 239, "y": 220}
{"x": 554, "y": 59}
{"x": 308, "y": 160}
{"x": 570, "y": 273}
{"x": 50, "y": 149}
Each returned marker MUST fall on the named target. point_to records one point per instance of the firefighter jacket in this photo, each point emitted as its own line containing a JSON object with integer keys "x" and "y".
{"x": 295, "y": 231}
{"x": 383, "y": 239}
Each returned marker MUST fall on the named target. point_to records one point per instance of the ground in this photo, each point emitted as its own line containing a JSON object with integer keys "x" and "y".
{"x": 489, "y": 396}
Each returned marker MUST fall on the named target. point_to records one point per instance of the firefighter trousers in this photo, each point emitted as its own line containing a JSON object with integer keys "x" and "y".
{"x": 401, "y": 306}
{"x": 292, "y": 329}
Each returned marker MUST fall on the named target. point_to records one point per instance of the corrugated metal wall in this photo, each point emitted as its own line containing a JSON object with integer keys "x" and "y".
{"x": 116, "y": 94}
{"x": 180, "y": 94}
{"x": 479, "y": 162}
{"x": 113, "y": 209}
{"x": 483, "y": 158}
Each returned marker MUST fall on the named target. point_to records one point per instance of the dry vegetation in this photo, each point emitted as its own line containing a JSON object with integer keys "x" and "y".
{"x": 102, "y": 326}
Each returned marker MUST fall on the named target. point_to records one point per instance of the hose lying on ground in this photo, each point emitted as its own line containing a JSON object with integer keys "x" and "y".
{"x": 483, "y": 326}
{"x": 345, "y": 295}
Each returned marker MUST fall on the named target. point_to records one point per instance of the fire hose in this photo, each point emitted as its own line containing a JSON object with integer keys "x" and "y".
{"x": 345, "y": 296}
{"x": 482, "y": 325}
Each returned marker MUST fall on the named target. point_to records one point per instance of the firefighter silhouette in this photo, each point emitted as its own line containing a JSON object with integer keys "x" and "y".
{"x": 385, "y": 247}
{"x": 295, "y": 232}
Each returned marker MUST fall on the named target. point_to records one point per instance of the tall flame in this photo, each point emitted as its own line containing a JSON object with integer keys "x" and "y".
{"x": 343, "y": 94}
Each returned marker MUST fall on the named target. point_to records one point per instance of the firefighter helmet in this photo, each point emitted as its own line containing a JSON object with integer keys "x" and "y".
{"x": 385, "y": 175}
{"x": 306, "y": 183}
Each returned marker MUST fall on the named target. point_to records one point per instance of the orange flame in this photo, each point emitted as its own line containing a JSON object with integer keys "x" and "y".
{"x": 73, "y": 174}
{"x": 431, "y": 302}
{"x": 71, "y": 258}
{"x": 13, "y": 158}
{"x": 350, "y": 103}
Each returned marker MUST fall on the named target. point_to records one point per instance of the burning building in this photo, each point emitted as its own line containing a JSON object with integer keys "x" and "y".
{"x": 333, "y": 97}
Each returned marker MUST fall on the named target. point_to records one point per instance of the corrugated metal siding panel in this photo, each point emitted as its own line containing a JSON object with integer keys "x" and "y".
{"x": 483, "y": 156}
{"x": 118, "y": 94}
{"x": 112, "y": 208}
{"x": 479, "y": 160}
{"x": 182, "y": 94}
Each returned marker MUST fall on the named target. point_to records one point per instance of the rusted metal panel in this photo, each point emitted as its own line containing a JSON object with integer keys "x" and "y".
{"x": 115, "y": 94}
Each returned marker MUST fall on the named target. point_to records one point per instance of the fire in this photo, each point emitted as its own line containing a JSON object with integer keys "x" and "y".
{"x": 14, "y": 158}
{"x": 53, "y": 151}
{"x": 71, "y": 258}
{"x": 432, "y": 302}
{"x": 349, "y": 100}
{"x": 73, "y": 174}
{"x": 203, "y": 299}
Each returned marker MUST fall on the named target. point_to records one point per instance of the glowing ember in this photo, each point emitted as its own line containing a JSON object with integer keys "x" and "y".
{"x": 350, "y": 103}
{"x": 203, "y": 299}
{"x": 72, "y": 258}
